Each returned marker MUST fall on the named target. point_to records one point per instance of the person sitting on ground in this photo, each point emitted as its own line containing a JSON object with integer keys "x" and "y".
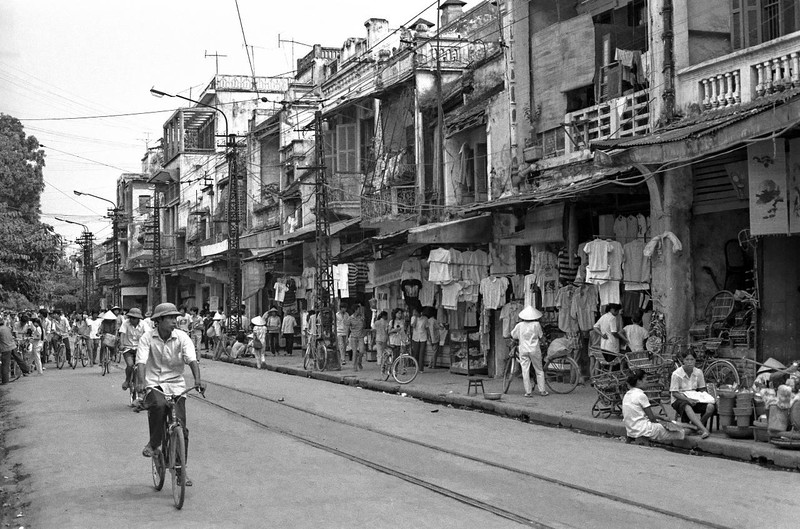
{"x": 635, "y": 334}
{"x": 238, "y": 348}
{"x": 638, "y": 416}
{"x": 689, "y": 378}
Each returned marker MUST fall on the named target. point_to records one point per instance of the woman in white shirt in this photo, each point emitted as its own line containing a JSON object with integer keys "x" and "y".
{"x": 528, "y": 334}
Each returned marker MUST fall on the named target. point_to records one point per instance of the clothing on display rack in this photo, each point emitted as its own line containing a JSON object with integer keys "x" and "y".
{"x": 426, "y": 293}
{"x": 493, "y": 289}
{"x": 509, "y": 316}
{"x": 518, "y": 286}
{"x": 566, "y": 322}
{"x": 441, "y": 271}
{"x": 450, "y": 293}
{"x": 474, "y": 266}
{"x": 411, "y": 268}
{"x": 636, "y": 269}
{"x": 411, "y": 288}
{"x": 567, "y": 271}
{"x": 280, "y": 290}
{"x": 584, "y": 306}
{"x": 545, "y": 268}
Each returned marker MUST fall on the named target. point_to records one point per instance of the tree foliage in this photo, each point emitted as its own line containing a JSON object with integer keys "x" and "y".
{"x": 29, "y": 249}
{"x": 21, "y": 163}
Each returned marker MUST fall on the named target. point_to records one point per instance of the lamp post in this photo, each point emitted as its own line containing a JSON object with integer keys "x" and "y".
{"x": 234, "y": 228}
{"x": 113, "y": 213}
{"x": 85, "y": 242}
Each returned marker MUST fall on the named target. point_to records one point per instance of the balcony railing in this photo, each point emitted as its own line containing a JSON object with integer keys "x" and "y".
{"x": 345, "y": 189}
{"x": 390, "y": 202}
{"x": 742, "y": 76}
{"x": 628, "y": 115}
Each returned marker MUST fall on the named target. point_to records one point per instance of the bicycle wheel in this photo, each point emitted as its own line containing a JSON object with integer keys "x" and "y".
{"x": 158, "y": 469}
{"x": 177, "y": 463}
{"x": 509, "y": 372}
{"x": 308, "y": 359}
{"x": 133, "y": 394}
{"x": 321, "y": 357}
{"x": 721, "y": 372}
{"x": 404, "y": 369}
{"x": 562, "y": 375}
{"x": 61, "y": 356}
{"x": 73, "y": 360}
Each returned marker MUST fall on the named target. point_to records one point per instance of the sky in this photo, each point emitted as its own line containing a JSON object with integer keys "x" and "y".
{"x": 88, "y": 58}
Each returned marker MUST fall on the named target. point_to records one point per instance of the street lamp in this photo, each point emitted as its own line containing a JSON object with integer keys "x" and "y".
{"x": 115, "y": 243}
{"x": 234, "y": 258}
{"x": 85, "y": 242}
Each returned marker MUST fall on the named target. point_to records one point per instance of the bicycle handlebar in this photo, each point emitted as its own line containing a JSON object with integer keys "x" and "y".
{"x": 199, "y": 389}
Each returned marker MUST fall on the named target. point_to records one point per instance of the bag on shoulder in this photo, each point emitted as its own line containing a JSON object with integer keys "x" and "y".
{"x": 257, "y": 343}
{"x": 210, "y": 332}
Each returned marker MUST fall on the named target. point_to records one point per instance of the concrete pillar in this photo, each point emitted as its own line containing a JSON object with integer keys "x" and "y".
{"x": 672, "y": 281}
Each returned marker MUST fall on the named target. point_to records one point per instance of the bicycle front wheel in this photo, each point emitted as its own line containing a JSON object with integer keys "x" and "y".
{"x": 61, "y": 357}
{"x": 321, "y": 356}
{"x": 308, "y": 359}
{"x": 404, "y": 369}
{"x": 178, "y": 464}
{"x": 158, "y": 469}
{"x": 386, "y": 366}
{"x": 562, "y": 375}
{"x": 73, "y": 361}
{"x": 721, "y": 372}
{"x": 509, "y": 371}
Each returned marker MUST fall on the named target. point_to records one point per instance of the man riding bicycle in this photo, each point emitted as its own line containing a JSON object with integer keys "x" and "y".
{"x": 128, "y": 341}
{"x": 160, "y": 359}
{"x": 60, "y": 333}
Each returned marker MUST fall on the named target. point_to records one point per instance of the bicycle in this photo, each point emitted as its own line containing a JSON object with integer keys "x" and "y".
{"x": 174, "y": 446}
{"x": 61, "y": 353}
{"x": 80, "y": 353}
{"x": 561, "y": 371}
{"x": 402, "y": 369}
{"x": 105, "y": 356}
{"x": 315, "y": 357}
{"x": 717, "y": 371}
{"x": 23, "y": 350}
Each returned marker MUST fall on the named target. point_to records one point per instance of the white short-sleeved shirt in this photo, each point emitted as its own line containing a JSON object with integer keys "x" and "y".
{"x": 681, "y": 382}
{"x": 529, "y": 334}
{"x": 636, "y": 421}
{"x": 636, "y": 336}
{"x": 607, "y": 325}
{"x": 165, "y": 361}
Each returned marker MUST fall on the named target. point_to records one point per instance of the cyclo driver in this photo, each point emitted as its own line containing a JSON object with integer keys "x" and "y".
{"x": 160, "y": 360}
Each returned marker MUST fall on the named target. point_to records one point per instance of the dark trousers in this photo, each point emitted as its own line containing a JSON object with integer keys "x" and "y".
{"x": 6, "y": 357}
{"x": 156, "y": 406}
{"x": 289, "y": 338}
{"x": 274, "y": 340}
{"x": 418, "y": 352}
{"x": 56, "y": 341}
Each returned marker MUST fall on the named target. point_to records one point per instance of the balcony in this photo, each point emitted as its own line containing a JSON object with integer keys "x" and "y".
{"x": 624, "y": 116}
{"x": 173, "y": 249}
{"x": 345, "y": 191}
{"x": 390, "y": 202}
{"x": 190, "y": 131}
{"x": 743, "y": 76}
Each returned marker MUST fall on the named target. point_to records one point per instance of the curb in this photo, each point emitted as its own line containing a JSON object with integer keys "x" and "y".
{"x": 739, "y": 450}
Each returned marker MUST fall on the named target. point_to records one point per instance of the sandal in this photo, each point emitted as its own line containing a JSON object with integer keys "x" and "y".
{"x": 529, "y": 395}
{"x": 544, "y": 393}
{"x": 147, "y": 451}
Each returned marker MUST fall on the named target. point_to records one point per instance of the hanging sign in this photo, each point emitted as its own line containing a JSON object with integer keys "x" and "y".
{"x": 766, "y": 164}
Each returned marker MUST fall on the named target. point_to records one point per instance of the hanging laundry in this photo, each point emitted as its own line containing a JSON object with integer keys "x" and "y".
{"x": 633, "y": 229}
{"x": 509, "y": 316}
{"x": 567, "y": 271}
{"x": 636, "y": 269}
{"x": 584, "y": 306}
{"x": 280, "y": 290}
{"x": 450, "y": 293}
{"x": 632, "y": 69}
{"x": 641, "y": 230}
{"x": 474, "y": 265}
{"x": 411, "y": 269}
{"x": 426, "y": 293}
{"x": 566, "y": 321}
{"x": 530, "y": 296}
{"x": 598, "y": 269}
{"x": 518, "y": 286}
{"x": 493, "y": 289}
{"x": 620, "y": 228}
{"x": 546, "y": 272}
{"x": 440, "y": 270}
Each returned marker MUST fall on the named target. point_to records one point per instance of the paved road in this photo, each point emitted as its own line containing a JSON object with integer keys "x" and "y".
{"x": 271, "y": 450}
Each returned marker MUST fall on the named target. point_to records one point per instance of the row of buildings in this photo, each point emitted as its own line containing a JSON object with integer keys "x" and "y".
{"x": 513, "y": 132}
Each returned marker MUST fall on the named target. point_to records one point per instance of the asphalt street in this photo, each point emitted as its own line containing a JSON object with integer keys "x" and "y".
{"x": 272, "y": 450}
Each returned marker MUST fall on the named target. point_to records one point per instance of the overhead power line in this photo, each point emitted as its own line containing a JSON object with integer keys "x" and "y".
{"x": 99, "y": 116}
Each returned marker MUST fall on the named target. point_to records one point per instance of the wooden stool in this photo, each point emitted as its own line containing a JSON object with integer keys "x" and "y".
{"x": 475, "y": 383}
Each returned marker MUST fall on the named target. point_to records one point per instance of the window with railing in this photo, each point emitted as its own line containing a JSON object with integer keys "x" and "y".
{"x": 757, "y": 21}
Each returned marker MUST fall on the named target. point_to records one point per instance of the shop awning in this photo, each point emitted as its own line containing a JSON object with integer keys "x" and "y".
{"x": 274, "y": 252}
{"x": 367, "y": 249}
{"x": 308, "y": 232}
{"x": 201, "y": 272}
{"x": 542, "y": 225}
{"x": 710, "y": 132}
{"x": 475, "y": 230}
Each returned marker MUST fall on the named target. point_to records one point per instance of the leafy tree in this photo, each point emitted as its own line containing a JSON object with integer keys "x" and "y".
{"x": 21, "y": 163}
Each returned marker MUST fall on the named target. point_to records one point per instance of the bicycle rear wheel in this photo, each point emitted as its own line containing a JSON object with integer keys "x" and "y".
{"x": 562, "y": 375}
{"x": 73, "y": 360}
{"x": 509, "y": 372}
{"x": 404, "y": 369}
{"x": 721, "y": 372}
{"x": 321, "y": 356}
{"x": 309, "y": 359}
{"x": 61, "y": 356}
{"x": 84, "y": 354}
{"x": 178, "y": 464}
{"x": 158, "y": 469}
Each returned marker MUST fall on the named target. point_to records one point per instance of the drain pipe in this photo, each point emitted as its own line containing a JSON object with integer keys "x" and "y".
{"x": 668, "y": 37}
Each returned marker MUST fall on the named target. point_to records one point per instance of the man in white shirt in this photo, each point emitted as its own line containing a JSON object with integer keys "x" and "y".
{"x": 608, "y": 329}
{"x": 160, "y": 359}
{"x": 635, "y": 334}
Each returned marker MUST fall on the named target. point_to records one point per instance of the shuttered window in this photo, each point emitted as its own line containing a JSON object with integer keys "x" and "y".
{"x": 757, "y": 21}
{"x": 346, "y": 148}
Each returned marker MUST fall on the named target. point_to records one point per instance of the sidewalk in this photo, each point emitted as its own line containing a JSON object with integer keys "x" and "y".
{"x": 566, "y": 411}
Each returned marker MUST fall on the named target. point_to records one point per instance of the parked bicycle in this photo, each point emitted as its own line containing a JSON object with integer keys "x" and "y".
{"x": 717, "y": 371}
{"x": 24, "y": 350}
{"x": 60, "y": 354}
{"x": 402, "y": 369}
{"x": 561, "y": 371}
{"x": 172, "y": 453}
{"x": 316, "y": 355}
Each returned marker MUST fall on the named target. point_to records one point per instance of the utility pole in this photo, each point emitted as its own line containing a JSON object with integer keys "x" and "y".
{"x": 85, "y": 242}
{"x": 323, "y": 281}
{"x": 234, "y": 232}
{"x": 153, "y": 235}
{"x": 439, "y": 185}
{"x": 115, "y": 214}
